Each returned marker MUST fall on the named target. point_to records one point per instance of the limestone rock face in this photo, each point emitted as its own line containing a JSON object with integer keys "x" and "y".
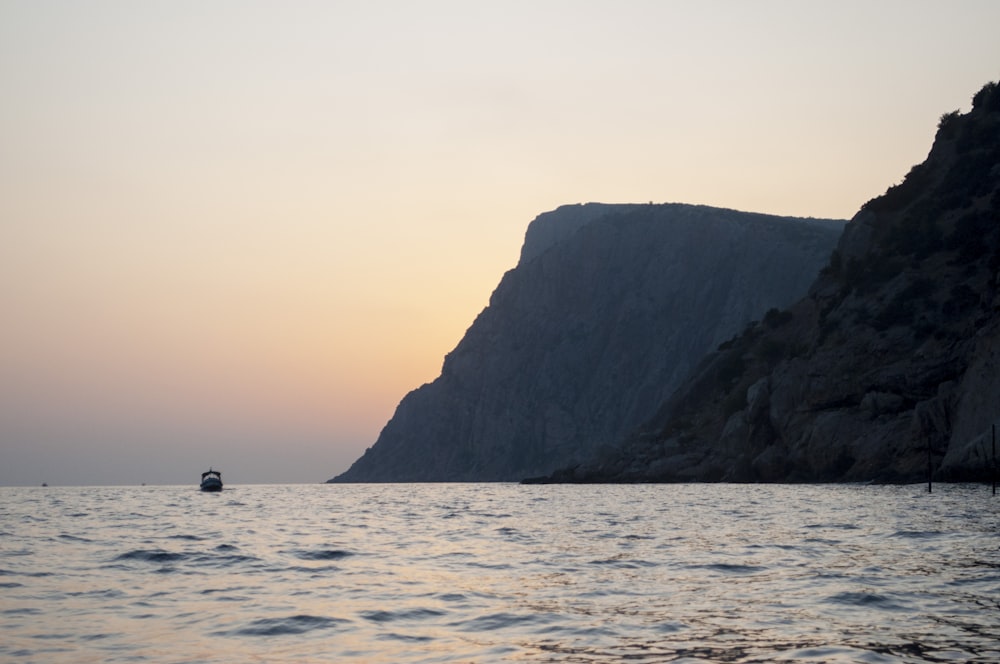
{"x": 607, "y": 311}
{"x": 892, "y": 358}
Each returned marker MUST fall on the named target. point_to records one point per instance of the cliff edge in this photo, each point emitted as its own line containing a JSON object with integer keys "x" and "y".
{"x": 608, "y": 310}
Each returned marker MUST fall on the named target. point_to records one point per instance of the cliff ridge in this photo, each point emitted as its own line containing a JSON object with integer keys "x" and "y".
{"x": 607, "y": 311}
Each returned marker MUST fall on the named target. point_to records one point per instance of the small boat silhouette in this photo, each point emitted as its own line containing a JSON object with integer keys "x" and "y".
{"x": 211, "y": 480}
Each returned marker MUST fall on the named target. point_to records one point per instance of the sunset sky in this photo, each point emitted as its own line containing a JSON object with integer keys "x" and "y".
{"x": 236, "y": 233}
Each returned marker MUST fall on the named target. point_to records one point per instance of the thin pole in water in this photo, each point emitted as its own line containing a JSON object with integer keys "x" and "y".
{"x": 994, "y": 459}
{"x": 929, "y": 489}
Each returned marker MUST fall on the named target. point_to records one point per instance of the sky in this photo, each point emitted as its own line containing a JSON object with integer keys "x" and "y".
{"x": 237, "y": 233}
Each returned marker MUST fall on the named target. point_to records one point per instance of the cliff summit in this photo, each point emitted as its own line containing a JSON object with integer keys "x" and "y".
{"x": 608, "y": 310}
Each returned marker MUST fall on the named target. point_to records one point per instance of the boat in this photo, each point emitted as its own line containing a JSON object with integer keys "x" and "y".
{"x": 211, "y": 480}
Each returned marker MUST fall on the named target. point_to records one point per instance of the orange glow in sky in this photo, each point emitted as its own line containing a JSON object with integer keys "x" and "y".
{"x": 237, "y": 233}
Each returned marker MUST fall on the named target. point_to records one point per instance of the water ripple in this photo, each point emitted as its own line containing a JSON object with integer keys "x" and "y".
{"x": 406, "y": 614}
{"x": 321, "y": 554}
{"x": 152, "y": 556}
{"x": 297, "y": 624}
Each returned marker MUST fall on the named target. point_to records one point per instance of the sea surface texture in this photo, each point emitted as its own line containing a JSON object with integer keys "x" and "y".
{"x": 500, "y": 573}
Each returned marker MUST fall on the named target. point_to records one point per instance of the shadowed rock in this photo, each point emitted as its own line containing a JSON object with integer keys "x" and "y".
{"x": 892, "y": 357}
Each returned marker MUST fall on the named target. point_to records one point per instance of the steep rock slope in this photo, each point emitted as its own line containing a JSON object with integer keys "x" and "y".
{"x": 608, "y": 309}
{"x": 889, "y": 365}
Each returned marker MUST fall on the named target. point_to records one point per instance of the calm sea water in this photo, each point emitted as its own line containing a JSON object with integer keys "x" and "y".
{"x": 500, "y": 573}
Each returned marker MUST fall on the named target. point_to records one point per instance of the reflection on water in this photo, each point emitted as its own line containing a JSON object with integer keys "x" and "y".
{"x": 500, "y": 572}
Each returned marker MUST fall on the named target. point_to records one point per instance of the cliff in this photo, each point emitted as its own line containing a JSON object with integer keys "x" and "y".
{"x": 608, "y": 309}
{"x": 890, "y": 363}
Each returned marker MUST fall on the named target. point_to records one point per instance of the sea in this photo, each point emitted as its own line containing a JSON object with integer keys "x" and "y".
{"x": 500, "y": 573}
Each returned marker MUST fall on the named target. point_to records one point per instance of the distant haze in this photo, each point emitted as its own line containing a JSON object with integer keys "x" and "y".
{"x": 237, "y": 233}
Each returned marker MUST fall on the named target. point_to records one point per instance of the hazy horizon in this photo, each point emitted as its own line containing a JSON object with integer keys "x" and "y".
{"x": 238, "y": 233}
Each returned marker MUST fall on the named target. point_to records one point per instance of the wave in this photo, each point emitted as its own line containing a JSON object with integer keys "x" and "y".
{"x": 224, "y": 561}
{"x": 74, "y": 538}
{"x": 297, "y": 624}
{"x": 865, "y": 599}
{"x": 917, "y": 534}
{"x": 503, "y": 620}
{"x": 322, "y": 554}
{"x": 407, "y": 614}
{"x": 730, "y": 568}
{"x": 406, "y": 638}
{"x": 161, "y": 556}
{"x": 624, "y": 563}
{"x": 152, "y": 556}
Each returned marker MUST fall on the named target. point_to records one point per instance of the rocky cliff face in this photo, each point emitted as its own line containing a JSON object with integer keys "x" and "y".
{"x": 608, "y": 309}
{"x": 891, "y": 360}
